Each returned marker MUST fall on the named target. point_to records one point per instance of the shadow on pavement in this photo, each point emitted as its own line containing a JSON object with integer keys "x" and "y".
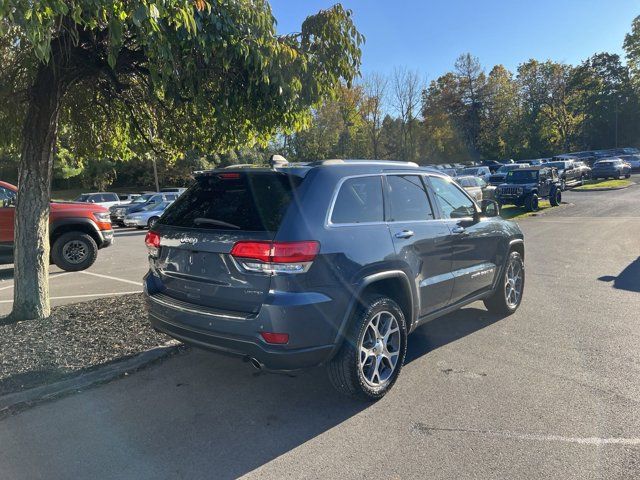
{"x": 6, "y": 273}
{"x": 198, "y": 414}
{"x": 628, "y": 279}
{"x": 447, "y": 329}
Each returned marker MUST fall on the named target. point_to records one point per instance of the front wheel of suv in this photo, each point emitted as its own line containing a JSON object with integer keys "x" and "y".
{"x": 555, "y": 197}
{"x": 508, "y": 293}
{"x": 371, "y": 356}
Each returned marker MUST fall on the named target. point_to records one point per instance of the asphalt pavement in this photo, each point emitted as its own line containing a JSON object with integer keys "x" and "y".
{"x": 552, "y": 391}
{"x": 118, "y": 270}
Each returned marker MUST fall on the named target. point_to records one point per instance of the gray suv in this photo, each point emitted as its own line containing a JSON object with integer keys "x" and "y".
{"x": 327, "y": 263}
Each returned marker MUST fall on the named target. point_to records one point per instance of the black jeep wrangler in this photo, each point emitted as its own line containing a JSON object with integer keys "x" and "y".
{"x": 526, "y": 186}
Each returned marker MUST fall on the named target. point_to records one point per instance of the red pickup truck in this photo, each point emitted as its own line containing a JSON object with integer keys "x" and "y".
{"x": 77, "y": 231}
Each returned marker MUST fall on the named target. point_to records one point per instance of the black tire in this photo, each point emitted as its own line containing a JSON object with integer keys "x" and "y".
{"x": 74, "y": 251}
{"x": 497, "y": 302}
{"x": 531, "y": 202}
{"x": 628, "y": 175}
{"x": 152, "y": 221}
{"x": 555, "y": 197}
{"x": 344, "y": 369}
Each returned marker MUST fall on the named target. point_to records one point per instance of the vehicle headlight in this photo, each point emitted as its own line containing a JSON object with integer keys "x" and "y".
{"x": 102, "y": 217}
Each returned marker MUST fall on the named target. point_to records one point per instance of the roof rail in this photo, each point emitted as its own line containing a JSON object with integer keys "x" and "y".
{"x": 337, "y": 161}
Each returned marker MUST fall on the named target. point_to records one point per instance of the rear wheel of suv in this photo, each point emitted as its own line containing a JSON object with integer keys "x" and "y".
{"x": 555, "y": 197}
{"x": 531, "y": 202}
{"x": 508, "y": 294}
{"x": 373, "y": 351}
{"x": 628, "y": 175}
{"x": 74, "y": 251}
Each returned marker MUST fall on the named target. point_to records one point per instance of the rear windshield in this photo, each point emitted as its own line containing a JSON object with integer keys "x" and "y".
{"x": 234, "y": 201}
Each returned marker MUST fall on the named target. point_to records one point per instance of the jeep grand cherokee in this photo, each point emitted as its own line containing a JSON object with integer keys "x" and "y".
{"x": 331, "y": 263}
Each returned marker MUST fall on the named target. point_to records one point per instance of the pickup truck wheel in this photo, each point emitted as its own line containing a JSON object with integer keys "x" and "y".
{"x": 508, "y": 294}
{"x": 555, "y": 197}
{"x": 74, "y": 251}
{"x": 531, "y": 203}
{"x": 371, "y": 356}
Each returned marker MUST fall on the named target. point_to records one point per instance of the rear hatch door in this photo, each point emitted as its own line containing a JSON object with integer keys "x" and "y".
{"x": 199, "y": 230}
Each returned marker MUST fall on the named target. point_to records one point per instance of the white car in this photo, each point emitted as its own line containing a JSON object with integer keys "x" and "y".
{"x": 482, "y": 172}
{"x": 106, "y": 199}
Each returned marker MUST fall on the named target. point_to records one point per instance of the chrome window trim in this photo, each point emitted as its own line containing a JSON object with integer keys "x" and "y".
{"x": 329, "y": 224}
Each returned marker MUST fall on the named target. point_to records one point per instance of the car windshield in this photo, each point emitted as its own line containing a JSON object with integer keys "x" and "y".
{"x": 508, "y": 168}
{"x": 558, "y": 165}
{"x": 83, "y": 198}
{"x": 143, "y": 198}
{"x": 156, "y": 206}
{"x": 522, "y": 176}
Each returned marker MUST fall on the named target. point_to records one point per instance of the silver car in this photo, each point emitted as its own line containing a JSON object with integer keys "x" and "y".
{"x": 147, "y": 217}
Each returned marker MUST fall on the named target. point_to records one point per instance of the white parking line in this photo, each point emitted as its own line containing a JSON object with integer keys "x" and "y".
{"x": 53, "y": 275}
{"x": 597, "y": 441}
{"x": 108, "y": 277}
{"x": 88, "y": 295}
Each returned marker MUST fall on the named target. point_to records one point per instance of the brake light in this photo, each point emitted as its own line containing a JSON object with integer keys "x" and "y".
{"x": 152, "y": 241}
{"x": 275, "y": 338}
{"x": 276, "y": 257}
{"x": 229, "y": 176}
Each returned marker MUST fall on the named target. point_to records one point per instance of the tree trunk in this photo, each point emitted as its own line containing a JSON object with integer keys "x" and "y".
{"x": 31, "y": 248}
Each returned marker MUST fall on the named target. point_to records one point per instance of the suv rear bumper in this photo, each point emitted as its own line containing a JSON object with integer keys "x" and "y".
{"x": 307, "y": 320}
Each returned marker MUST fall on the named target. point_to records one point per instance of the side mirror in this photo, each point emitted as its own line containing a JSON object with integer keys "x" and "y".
{"x": 490, "y": 208}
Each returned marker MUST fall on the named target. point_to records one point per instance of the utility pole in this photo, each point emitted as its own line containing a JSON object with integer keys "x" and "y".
{"x": 153, "y": 158}
{"x": 155, "y": 173}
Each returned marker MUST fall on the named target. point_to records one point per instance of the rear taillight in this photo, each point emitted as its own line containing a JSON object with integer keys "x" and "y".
{"x": 275, "y": 338}
{"x": 152, "y": 240}
{"x": 275, "y": 257}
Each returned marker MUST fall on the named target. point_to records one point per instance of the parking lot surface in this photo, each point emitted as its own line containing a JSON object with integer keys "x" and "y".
{"x": 118, "y": 270}
{"x": 549, "y": 392}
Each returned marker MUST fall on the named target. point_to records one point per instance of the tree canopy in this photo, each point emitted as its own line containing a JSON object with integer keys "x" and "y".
{"x": 117, "y": 79}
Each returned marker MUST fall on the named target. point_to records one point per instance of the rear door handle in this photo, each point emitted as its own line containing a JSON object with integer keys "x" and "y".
{"x": 405, "y": 234}
{"x": 457, "y": 229}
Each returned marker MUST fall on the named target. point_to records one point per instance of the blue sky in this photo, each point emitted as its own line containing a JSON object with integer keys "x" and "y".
{"x": 428, "y": 35}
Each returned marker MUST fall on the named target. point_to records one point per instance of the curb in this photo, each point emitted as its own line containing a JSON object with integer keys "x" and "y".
{"x": 18, "y": 400}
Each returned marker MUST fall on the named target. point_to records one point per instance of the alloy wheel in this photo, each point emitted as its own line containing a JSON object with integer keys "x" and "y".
{"x": 513, "y": 283}
{"x": 75, "y": 251}
{"x": 380, "y": 349}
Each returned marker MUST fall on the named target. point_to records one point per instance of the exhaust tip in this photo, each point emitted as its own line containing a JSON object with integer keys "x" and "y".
{"x": 254, "y": 363}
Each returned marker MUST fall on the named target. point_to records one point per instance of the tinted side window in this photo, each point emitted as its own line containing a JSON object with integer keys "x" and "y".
{"x": 110, "y": 197}
{"x": 408, "y": 199}
{"x": 453, "y": 203}
{"x": 359, "y": 201}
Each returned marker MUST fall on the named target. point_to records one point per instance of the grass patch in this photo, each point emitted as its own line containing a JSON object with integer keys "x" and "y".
{"x": 591, "y": 184}
{"x": 510, "y": 212}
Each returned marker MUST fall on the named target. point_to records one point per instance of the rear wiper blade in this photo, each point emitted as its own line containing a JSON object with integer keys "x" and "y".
{"x": 219, "y": 223}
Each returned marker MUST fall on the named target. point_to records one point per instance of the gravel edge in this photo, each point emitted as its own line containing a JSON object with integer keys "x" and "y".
{"x": 18, "y": 401}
